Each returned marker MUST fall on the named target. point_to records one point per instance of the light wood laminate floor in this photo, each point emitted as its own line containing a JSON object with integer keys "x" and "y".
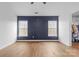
{"x": 75, "y": 45}
{"x": 39, "y": 49}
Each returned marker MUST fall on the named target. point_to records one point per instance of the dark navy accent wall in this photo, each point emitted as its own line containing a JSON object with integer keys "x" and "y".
{"x": 37, "y": 27}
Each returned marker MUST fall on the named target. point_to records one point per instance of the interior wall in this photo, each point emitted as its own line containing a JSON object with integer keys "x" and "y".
{"x": 7, "y": 25}
{"x": 65, "y": 29}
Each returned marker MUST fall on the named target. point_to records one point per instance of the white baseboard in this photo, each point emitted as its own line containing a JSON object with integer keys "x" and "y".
{"x": 67, "y": 44}
{"x": 6, "y": 45}
{"x": 37, "y": 40}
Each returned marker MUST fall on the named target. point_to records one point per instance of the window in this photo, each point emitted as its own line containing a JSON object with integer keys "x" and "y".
{"x": 23, "y": 28}
{"x": 52, "y": 28}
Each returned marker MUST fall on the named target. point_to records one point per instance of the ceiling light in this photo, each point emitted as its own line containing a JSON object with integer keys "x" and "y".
{"x": 32, "y": 2}
{"x": 44, "y": 2}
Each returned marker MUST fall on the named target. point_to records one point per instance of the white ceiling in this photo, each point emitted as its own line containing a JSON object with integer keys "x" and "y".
{"x": 51, "y": 8}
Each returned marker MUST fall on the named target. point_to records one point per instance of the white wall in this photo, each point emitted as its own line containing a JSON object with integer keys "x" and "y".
{"x": 65, "y": 29}
{"x": 7, "y": 25}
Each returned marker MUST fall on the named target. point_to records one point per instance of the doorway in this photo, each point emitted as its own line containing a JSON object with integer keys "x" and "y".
{"x": 75, "y": 29}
